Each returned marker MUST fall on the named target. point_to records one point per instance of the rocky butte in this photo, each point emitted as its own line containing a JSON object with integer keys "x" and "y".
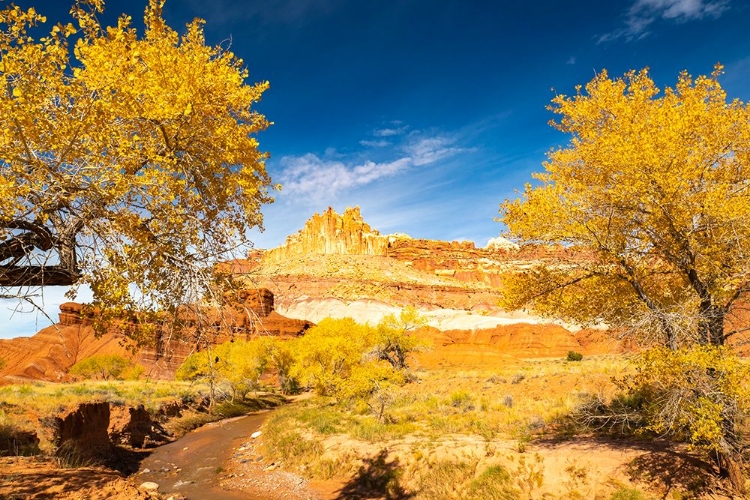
{"x": 338, "y": 265}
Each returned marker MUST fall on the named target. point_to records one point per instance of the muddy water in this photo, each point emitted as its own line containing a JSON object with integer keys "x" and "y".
{"x": 192, "y": 465}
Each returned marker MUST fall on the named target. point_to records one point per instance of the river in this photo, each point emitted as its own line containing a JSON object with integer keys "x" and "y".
{"x": 193, "y": 464}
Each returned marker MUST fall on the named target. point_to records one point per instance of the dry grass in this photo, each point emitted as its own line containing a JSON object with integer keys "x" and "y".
{"x": 24, "y": 406}
{"x": 48, "y": 397}
{"x": 452, "y": 434}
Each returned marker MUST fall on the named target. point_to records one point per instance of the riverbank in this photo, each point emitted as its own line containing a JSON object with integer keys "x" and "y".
{"x": 56, "y": 473}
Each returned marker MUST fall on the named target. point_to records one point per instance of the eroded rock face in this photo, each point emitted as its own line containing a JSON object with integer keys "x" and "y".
{"x": 50, "y": 353}
{"x": 73, "y": 313}
{"x": 135, "y": 427}
{"x": 84, "y": 431}
{"x": 332, "y": 234}
{"x": 348, "y": 234}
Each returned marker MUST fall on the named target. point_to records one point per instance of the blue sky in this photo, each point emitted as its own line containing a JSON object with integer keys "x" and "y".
{"x": 427, "y": 113}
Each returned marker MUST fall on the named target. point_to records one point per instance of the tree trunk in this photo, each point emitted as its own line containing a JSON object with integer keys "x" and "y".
{"x": 730, "y": 466}
{"x": 711, "y": 323}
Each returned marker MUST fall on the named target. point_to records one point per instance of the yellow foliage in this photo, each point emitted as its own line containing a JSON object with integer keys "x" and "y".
{"x": 653, "y": 193}
{"x": 240, "y": 364}
{"x": 394, "y": 338}
{"x": 697, "y": 394}
{"x": 342, "y": 358}
{"x": 137, "y": 157}
{"x": 328, "y": 353}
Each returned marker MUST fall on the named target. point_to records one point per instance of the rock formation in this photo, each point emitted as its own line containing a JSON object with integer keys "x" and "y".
{"x": 50, "y": 353}
{"x": 332, "y": 234}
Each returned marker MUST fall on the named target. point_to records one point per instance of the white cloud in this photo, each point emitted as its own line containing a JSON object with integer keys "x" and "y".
{"x": 375, "y": 144}
{"x": 319, "y": 178}
{"x": 571, "y": 60}
{"x": 425, "y": 150}
{"x": 644, "y": 13}
{"x": 390, "y": 132}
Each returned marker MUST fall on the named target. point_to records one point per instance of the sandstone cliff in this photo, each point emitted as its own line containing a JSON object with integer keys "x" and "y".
{"x": 332, "y": 234}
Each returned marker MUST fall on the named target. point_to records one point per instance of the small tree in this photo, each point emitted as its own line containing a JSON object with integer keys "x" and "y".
{"x": 654, "y": 193}
{"x": 328, "y": 352}
{"x": 395, "y": 337}
{"x": 281, "y": 357}
{"x": 101, "y": 366}
{"x": 240, "y": 364}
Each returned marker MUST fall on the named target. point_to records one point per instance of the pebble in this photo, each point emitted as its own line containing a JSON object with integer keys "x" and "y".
{"x": 145, "y": 471}
{"x": 149, "y": 486}
{"x": 255, "y": 434}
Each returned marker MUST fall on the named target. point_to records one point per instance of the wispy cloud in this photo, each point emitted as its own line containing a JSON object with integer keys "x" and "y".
{"x": 390, "y": 132}
{"x": 318, "y": 178}
{"x": 571, "y": 61}
{"x": 640, "y": 17}
{"x": 313, "y": 176}
{"x": 425, "y": 150}
{"x": 374, "y": 144}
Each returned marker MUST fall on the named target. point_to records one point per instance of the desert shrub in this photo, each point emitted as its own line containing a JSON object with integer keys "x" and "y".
{"x": 574, "y": 356}
{"x": 444, "y": 479}
{"x": 627, "y": 494}
{"x": 508, "y": 401}
{"x": 529, "y": 474}
{"x": 462, "y": 399}
{"x": 101, "y": 366}
{"x": 692, "y": 394}
{"x": 494, "y": 483}
{"x": 517, "y": 378}
{"x": 2, "y": 363}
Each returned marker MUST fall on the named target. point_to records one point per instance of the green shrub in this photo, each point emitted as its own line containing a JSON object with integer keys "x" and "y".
{"x": 574, "y": 356}
{"x": 102, "y": 366}
{"x": 627, "y": 494}
{"x": 462, "y": 399}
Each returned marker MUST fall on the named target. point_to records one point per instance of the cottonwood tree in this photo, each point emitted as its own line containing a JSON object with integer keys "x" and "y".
{"x": 654, "y": 191}
{"x": 128, "y": 162}
{"x": 394, "y": 338}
